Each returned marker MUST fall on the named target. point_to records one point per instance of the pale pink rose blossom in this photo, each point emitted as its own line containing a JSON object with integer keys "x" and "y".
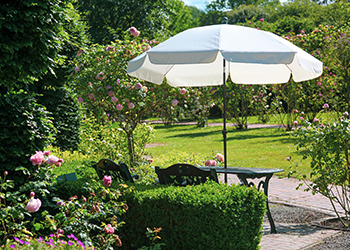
{"x": 295, "y": 122}
{"x": 325, "y": 106}
{"x": 316, "y": 120}
{"x": 107, "y": 180}
{"x": 138, "y": 85}
{"x": 33, "y": 205}
{"x": 119, "y": 107}
{"x": 131, "y": 105}
{"x": 213, "y": 163}
{"x": 182, "y": 91}
{"x": 114, "y": 99}
{"x": 38, "y": 158}
{"x": 220, "y": 157}
{"x": 109, "y": 229}
{"x": 51, "y": 160}
{"x": 6, "y": 173}
{"x": 134, "y": 32}
{"x": 100, "y": 76}
{"x": 174, "y": 102}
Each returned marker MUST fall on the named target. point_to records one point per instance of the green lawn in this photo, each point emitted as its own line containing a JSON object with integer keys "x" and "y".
{"x": 260, "y": 147}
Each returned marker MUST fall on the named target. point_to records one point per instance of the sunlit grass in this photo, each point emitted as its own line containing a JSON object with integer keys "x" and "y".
{"x": 259, "y": 148}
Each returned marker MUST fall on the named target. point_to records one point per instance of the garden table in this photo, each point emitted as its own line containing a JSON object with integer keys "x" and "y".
{"x": 251, "y": 173}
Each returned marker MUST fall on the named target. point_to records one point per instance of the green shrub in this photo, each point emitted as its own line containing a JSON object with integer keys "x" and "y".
{"x": 66, "y": 116}
{"x": 25, "y": 128}
{"x": 208, "y": 216}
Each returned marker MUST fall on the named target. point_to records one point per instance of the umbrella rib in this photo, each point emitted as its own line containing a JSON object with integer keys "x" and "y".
{"x": 168, "y": 70}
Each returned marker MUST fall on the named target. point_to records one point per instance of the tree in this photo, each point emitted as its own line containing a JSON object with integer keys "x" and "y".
{"x": 159, "y": 19}
{"x": 29, "y": 40}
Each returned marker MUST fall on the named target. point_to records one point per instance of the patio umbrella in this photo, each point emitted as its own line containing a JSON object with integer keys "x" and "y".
{"x": 206, "y": 56}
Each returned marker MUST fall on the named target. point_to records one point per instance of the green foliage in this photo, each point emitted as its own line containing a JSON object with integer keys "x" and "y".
{"x": 327, "y": 146}
{"x": 108, "y": 20}
{"x": 195, "y": 217}
{"x": 66, "y": 115}
{"x": 26, "y": 28}
{"x": 26, "y": 128}
{"x": 108, "y": 141}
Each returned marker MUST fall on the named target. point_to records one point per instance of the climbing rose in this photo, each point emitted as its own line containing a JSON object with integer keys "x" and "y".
{"x": 100, "y": 76}
{"x": 138, "y": 85}
{"x": 134, "y": 32}
{"x": 174, "y": 102}
{"x": 109, "y": 229}
{"x": 119, "y": 106}
{"x": 33, "y": 205}
{"x": 38, "y": 158}
{"x": 114, "y": 99}
{"x": 131, "y": 105}
{"x": 107, "y": 180}
{"x": 210, "y": 163}
{"x": 182, "y": 91}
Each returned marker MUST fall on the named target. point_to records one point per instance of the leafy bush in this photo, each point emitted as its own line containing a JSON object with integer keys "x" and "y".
{"x": 327, "y": 146}
{"x": 208, "y": 216}
{"x": 26, "y": 128}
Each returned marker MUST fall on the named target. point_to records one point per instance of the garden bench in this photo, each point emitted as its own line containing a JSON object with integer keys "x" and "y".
{"x": 183, "y": 174}
{"x": 116, "y": 171}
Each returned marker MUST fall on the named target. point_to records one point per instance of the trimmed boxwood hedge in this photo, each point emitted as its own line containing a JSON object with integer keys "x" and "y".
{"x": 207, "y": 216}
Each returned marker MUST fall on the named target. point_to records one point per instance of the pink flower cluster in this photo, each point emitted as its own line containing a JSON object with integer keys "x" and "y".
{"x": 39, "y": 158}
{"x": 209, "y": 163}
{"x": 134, "y": 32}
{"x": 109, "y": 229}
{"x": 220, "y": 157}
{"x": 107, "y": 180}
{"x": 33, "y": 204}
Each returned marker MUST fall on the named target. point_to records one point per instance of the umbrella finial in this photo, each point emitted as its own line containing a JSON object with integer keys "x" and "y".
{"x": 224, "y": 20}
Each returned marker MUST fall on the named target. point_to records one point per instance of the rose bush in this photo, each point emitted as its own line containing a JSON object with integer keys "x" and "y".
{"x": 326, "y": 145}
{"x": 105, "y": 89}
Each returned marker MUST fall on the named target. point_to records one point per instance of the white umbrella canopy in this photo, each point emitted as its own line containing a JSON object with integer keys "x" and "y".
{"x": 195, "y": 58}
{"x": 206, "y": 56}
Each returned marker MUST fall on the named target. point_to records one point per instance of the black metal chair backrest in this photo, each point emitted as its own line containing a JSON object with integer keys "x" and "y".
{"x": 183, "y": 174}
{"x": 110, "y": 168}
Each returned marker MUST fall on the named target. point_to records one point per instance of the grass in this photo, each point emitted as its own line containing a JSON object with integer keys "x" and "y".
{"x": 259, "y": 148}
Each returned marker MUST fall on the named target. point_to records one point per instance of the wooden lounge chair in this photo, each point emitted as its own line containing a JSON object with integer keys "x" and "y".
{"x": 118, "y": 172}
{"x": 184, "y": 174}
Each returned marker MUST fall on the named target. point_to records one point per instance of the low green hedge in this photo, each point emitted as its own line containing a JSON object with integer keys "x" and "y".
{"x": 207, "y": 216}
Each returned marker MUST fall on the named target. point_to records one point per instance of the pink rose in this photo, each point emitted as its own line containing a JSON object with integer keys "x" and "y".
{"x": 107, "y": 180}
{"x": 208, "y": 163}
{"x": 47, "y": 153}
{"x": 100, "y": 76}
{"x": 138, "y": 86}
{"x": 325, "y": 106}
{"x": 295, "y": 122}
{"x": 110, "y": 48}
{"x": 33, "y": 205}
{"x": 80, "y": 100}
{"x": 110, "y": 93}
{"x": 32, "y": 194}
{"x": 38, "y": 158}
{"x": 51, "y": 159}
{"x": 114, "y": 99}
{"x": 134, "y": 32}
{"x": 119, "y": 107}
{"x": 174, "y": 102}
{"x": 6, "y": 173}
{"x": 182, "y": 91}
{"x": 213, "y": 163}
{"x": 316, "y": 120}
{"x": 131, "y": 105}
{"x": 287, "y": 159}
{"x": 109, "y": 229}
{"x": 220, "y": 157}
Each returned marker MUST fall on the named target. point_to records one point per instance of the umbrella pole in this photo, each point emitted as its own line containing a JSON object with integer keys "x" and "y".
{"x": 224, "y": 132}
